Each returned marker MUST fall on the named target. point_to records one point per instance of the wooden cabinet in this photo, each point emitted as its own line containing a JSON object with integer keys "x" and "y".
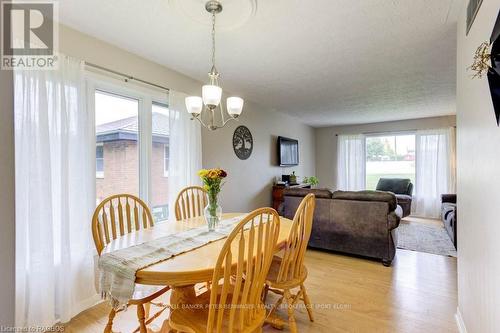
{"x": 278, "y": 197}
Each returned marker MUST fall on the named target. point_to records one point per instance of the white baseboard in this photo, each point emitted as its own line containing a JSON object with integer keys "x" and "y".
{"x": 460, "y": 322}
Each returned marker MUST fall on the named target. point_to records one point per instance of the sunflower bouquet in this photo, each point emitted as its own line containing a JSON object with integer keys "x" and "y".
{"x": 212, "y": 183}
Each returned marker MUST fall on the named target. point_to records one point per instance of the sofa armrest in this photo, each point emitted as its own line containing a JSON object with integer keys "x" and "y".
{"x": 403, "y": 197}
{"x": 394, "y": 218}
{"x": 452, "y": 198}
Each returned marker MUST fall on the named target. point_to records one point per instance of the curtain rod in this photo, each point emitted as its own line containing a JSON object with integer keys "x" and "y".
{"x": 126, "y": 76}
{"x": 388, "y": 132}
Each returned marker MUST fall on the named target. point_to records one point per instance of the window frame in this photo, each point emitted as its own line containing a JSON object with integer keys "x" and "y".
{"x": 99, "y": 174}
{"x": 146, "y": 96}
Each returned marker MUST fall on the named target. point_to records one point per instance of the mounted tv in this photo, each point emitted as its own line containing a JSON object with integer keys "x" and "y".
{"x": 288, "y": 151}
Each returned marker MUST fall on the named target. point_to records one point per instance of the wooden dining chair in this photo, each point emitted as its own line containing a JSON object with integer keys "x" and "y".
{"x": 116, "y": 216}
{"x": 288, "y": 272}
{"x": 190, "y": 202}
{"x": 234, "y": 303}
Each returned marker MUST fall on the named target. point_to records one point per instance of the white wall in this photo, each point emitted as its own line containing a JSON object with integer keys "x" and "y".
{"x": 90, "y": 49}
{"x": 478, "y": 161}
{"x": 249, "y": 183}
{"x": 7, "y": 197}
{"x": 326, "y": 141}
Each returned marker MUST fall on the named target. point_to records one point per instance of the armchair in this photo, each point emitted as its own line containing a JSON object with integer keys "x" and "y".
{"x": 402, "y": 188}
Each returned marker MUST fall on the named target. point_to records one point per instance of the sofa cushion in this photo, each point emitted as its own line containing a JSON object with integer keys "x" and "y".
{"x": 388, "y": 197}
{"x": 302, "y": 192}
{"x": 394, "y": 218}
{"x": 449, "y": 198}
{"x": 395, "y": 185}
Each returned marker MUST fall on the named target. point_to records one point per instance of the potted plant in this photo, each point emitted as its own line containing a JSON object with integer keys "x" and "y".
{"x": 313, "y": 181}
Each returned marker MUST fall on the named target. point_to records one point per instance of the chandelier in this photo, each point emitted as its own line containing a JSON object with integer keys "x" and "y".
{"x": 205, "y": 107}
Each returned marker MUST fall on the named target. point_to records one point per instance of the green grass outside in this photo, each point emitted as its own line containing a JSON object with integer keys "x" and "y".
{"x": 372, "y": 179}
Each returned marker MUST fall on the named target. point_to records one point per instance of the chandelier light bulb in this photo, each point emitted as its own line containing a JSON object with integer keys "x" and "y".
{"x": 194, "y": 105}
{"x": 234, "y": 106}
{"x": 211, "y": 95}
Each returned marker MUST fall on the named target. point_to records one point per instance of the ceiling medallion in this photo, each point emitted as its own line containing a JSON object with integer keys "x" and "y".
{"x": 236, "y": 12}
{"x": 203, "y": 108}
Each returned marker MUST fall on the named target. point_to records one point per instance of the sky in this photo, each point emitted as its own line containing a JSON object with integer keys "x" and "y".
{"x": 110, "y": 107}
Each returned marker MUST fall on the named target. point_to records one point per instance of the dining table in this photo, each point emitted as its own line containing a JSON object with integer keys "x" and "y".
{"x": 183, "y": 271}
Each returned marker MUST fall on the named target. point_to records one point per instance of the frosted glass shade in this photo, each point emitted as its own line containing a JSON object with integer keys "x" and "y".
{"x": 194, "y": 104}
{"x": 211, "y": 95}
{"x": 234, "y": 106}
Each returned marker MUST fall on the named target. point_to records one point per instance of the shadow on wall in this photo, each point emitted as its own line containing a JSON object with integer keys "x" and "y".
{"x": 264, "y": 197}
{"x": 273, "y": 158}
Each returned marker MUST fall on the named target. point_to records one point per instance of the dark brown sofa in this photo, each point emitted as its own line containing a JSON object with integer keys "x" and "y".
{"x": 361, "y": 223}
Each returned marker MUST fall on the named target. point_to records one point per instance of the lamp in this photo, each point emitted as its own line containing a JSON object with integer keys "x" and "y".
{"x": 211, "y": 93}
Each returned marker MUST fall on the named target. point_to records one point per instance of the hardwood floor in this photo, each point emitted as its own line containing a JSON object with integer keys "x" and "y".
{"x": 414, "y": 219}
{"x": 417, "y": 294}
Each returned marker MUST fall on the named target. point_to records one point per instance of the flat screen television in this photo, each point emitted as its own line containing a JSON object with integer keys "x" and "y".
{"x": 288, "y": 151}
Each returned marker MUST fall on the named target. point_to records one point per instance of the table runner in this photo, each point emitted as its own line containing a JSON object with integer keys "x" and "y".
{"x": 117, "y": 269}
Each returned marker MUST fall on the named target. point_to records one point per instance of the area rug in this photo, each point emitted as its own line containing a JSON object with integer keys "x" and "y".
{"x": 425, "y": 238}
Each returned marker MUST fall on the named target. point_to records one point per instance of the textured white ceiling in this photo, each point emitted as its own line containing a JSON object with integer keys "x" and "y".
{"x": 327, "y": 62}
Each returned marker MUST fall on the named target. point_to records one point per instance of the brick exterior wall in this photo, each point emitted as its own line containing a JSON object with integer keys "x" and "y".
{"x": 159, "y": 182}
{"x": 121, "y": 172}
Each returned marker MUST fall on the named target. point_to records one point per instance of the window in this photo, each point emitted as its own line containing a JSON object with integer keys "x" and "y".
{"x": 132, "y": 141}
{"x": 116, "y": 119}
{"x": 389, "y": 156}
{"x": 166, "y": 152}
{"x": 99, "y": 160}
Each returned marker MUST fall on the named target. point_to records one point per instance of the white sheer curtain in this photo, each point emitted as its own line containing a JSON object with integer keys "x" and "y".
{"x": 54, "y": 195}
{"x": 351, "y": 157}
{"x": 435, "y": 170}
{"x": 185, "y": 149}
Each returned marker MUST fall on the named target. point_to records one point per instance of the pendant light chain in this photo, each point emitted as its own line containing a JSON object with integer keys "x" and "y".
{"x": 213, "y": 40}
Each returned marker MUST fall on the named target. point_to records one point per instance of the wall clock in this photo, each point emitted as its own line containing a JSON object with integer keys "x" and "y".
{"x": 242, "y": 142}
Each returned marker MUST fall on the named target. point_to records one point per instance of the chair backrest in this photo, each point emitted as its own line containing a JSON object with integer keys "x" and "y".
{"x": 395, "y": 185}
{"x": 118, "y": 215}
{"x": 190, "y": 202}
{"x": 292, "y": 262}
{"x": 243, "y": 264}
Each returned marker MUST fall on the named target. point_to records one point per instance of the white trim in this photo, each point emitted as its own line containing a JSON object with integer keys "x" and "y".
{"x": 460, "y": 322}
{"x": 145, "y": 148}
{"x": 90, "y": 106}
{"x": 100, "y": 174}
{"x": 145, "y": 96}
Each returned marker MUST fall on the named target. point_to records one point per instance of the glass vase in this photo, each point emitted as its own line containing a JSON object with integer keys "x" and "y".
{"x": 213, "y": 212}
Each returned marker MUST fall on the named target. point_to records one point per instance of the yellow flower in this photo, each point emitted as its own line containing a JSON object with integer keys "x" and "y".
{"x": 203, "y": 172}
{"x": 212, "y": 173}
